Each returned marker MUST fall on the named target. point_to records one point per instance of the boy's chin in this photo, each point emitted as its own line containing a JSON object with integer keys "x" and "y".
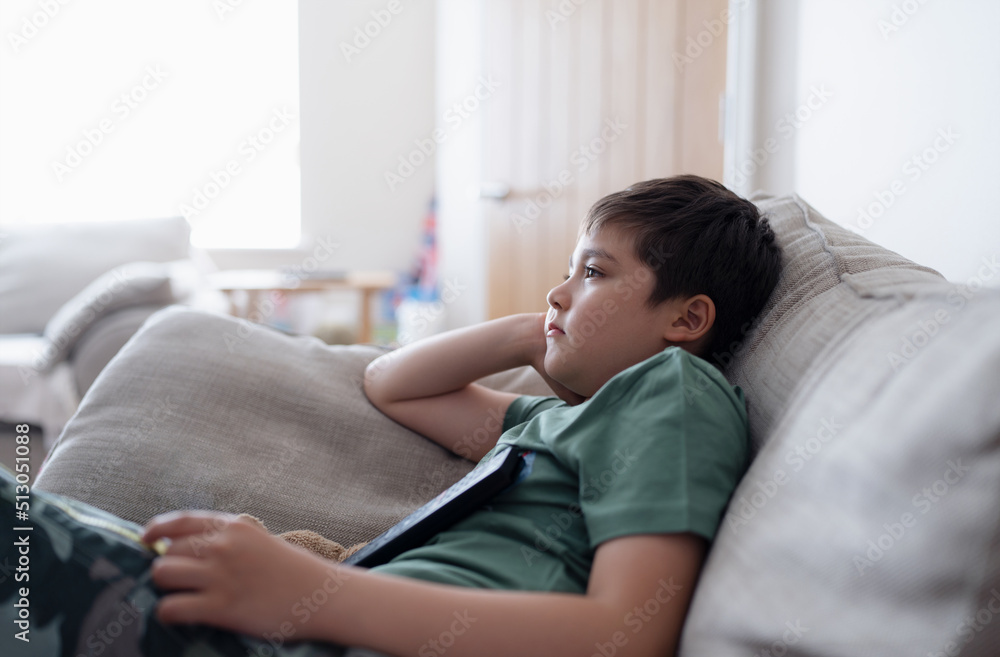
{"x": 566, "y": 379}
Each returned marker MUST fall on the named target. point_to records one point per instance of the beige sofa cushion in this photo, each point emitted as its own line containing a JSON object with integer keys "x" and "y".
{"x": 870, "y": 515}
{"x": 205, "y": 411}
{"x": 867, "y": 523}
{"x": 827, "y": 271}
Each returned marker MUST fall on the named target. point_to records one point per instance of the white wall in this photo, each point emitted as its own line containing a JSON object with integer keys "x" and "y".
{"x": 360, "y": 111}
{"x": 364, "y": 100}
{"x": 886, "y": 81}
{"x": 358, "y": 118}
{"x": 461, "y": 220}
{"x": 114, "y": 109}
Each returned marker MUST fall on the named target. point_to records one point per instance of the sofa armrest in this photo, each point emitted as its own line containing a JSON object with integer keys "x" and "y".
{"x": 95, "y": 348}
{"x": 137, "y": 283}
{"x": 205, "y": 411}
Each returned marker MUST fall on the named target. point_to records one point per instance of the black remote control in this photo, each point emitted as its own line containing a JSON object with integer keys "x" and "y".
{"x": 466, "y": 495}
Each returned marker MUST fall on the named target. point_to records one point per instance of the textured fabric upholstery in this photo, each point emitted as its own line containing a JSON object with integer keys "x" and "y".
{"x": 832, "y": 280}
{"x": 867, "y": 523}
{"x": 204, "y": 411}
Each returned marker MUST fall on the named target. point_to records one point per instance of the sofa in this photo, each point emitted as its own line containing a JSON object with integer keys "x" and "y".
{"x": 71, "y": 294}
{"x": 867, "y": 523}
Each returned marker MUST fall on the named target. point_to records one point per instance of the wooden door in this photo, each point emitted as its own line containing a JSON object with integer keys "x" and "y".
{"x": 597, "y": 96}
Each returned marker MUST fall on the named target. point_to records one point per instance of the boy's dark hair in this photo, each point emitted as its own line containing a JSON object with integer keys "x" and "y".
{"x": 699, "y": 238}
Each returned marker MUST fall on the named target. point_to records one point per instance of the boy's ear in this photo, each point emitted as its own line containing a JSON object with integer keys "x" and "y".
{"x": 690, "y": 319}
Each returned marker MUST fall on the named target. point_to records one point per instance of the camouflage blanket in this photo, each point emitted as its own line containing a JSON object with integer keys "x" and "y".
{"x": 74, "y": 580}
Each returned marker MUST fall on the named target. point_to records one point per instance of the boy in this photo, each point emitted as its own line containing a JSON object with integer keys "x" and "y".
{"x": 598, "y": 545}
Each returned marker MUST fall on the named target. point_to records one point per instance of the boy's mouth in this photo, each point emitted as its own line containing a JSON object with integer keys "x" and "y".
{"x": 551, "y": 330}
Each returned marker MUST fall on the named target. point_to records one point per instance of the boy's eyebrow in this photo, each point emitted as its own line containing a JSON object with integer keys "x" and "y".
{"x": 594, "y": 253}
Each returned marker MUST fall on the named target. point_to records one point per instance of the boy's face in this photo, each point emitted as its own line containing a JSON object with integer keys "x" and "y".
{"x": 598, "y": 323}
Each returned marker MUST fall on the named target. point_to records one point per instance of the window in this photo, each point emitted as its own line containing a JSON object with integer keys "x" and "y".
{"x": 116, "y": 109}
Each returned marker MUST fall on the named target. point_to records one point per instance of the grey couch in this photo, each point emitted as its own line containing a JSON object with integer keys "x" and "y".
{"x": 71, "y": 294}
{"x": 866, "y": 525}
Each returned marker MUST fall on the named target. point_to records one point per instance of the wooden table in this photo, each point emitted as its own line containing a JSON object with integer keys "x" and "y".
{"x": 257, "y": 282}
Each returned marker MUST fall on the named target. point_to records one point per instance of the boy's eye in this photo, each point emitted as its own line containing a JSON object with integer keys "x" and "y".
{"x": 588, "y": 272}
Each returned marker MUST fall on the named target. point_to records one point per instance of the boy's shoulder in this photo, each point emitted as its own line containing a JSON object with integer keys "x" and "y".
{"x": 673, "y": 369}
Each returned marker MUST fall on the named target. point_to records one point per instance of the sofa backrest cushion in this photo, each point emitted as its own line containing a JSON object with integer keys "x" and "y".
{"x": 43, "y": 266}
{"x": 832, "y": 281}
{"x": 868, "y": 517}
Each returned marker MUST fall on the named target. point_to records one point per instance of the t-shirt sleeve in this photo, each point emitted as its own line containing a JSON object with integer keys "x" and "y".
{"x": 673, "y": 465}
{"x": 526, "y": 407}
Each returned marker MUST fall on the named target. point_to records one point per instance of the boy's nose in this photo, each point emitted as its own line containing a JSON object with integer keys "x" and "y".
{"x": 557, "y": 297}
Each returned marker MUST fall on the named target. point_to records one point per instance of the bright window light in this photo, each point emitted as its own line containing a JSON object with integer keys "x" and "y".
{"x": 116, "y": 109}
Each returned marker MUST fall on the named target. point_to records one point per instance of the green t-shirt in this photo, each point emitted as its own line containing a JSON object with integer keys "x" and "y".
{"x": 658, "y": 449}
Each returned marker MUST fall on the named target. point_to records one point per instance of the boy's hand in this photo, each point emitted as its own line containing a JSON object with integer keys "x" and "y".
{"x": 226, "y": 572}
{"x": 537, "y": 360}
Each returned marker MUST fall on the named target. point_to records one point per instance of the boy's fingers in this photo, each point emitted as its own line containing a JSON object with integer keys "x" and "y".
{"x": 172, "y": 572}
{"x": 183, "y": 523}
{"x": 186, "y": 608}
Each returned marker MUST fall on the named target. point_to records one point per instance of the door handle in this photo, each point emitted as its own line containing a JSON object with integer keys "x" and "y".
{"x": 494, "y": 190}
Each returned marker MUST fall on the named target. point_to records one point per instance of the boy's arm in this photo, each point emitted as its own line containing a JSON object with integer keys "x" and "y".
{"x": 427, "y": 385}
{"x": 229, "y": 573}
